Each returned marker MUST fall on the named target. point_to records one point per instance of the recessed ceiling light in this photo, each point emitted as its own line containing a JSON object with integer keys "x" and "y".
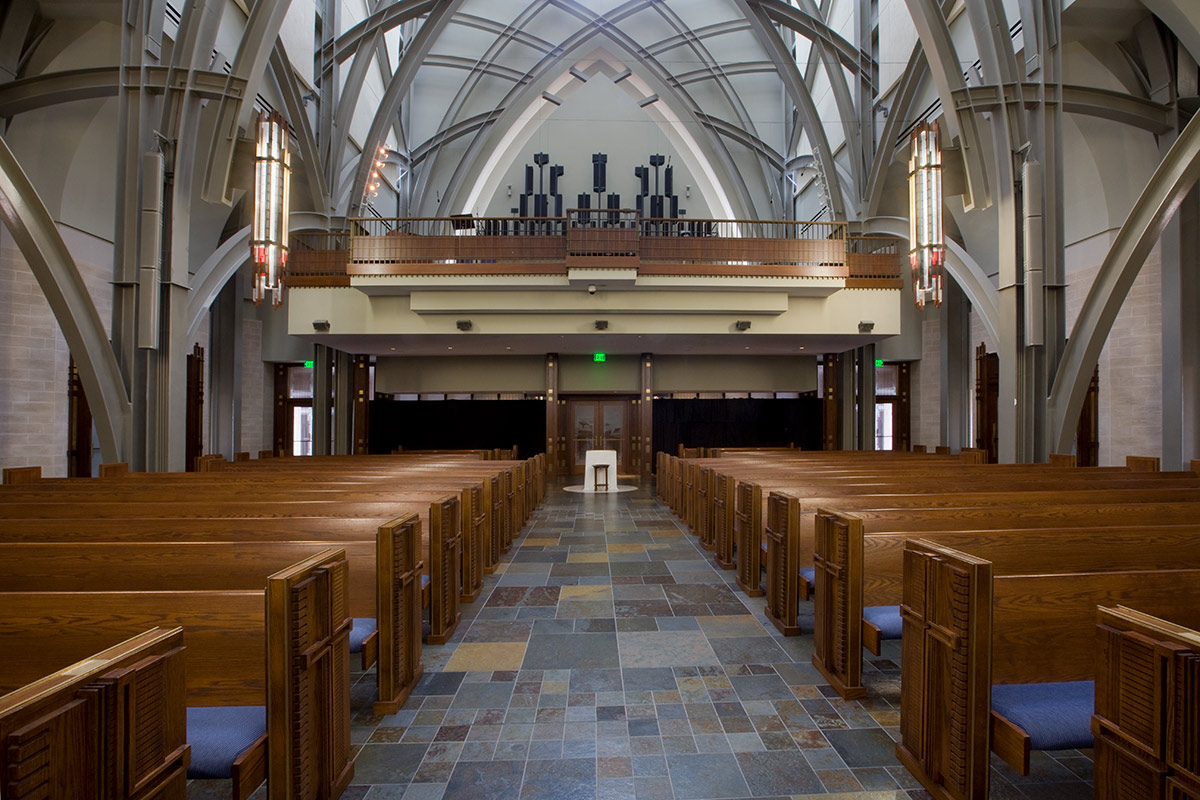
{"x": 508, "y": 347}
{"x": 393, "y": 348}
{"x": 747, "y": 347}
{"x": 450, "y": 347}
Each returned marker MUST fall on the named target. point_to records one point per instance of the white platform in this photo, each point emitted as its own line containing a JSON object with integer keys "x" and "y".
{"x": 594, "y": 457}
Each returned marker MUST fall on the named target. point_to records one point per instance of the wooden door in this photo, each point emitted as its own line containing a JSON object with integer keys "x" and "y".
{"x": 79, "y": 428}
{"x": 598, "y": 424}
{"x": 194, "y": 434}
{"x": 987, "y": 397}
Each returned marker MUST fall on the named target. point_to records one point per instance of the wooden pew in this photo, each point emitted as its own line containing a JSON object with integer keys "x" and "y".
{"x": 385, "y": 569}
{"x": 1147, "y": 714}
{"x": 967, "y": 629}
{"x": 476, "y": 500}
{"x": 840, "y": 475}
{"x": 285, "y": 648}
{"x": 1108, "y": 493}
{"x": 112, "y": 725}
{"x": 859, "y": 568}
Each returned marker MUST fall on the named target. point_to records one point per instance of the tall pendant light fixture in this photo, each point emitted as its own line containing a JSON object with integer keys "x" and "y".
{"x": 927, "y": 249}
{"x": 272, "y": 180}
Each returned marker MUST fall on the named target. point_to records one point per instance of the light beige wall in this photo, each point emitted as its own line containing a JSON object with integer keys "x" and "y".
{"x": 255, "y": 433}
{"x": 1131, "y": 361}
{"x": 409, "y": 374}
{"x": 33, "y": 353}
{"x": 927, "y": 388}
{"x": 582, "y": 373}
{"x": 735, "y": 373}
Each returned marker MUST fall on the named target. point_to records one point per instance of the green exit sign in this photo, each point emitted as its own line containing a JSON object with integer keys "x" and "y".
{"x": 600, "y": 357}
{"x": 879, "y": 362}
{"x": 308, "y": 365}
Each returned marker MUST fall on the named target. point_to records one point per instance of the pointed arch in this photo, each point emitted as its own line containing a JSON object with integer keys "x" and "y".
{"x": 496, "y": 148}
{"x": 41, "y": 244}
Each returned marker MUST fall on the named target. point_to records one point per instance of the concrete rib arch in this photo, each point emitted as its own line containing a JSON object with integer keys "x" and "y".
{"x": 1174, "y": 177}
{"x": 43, "y": 248}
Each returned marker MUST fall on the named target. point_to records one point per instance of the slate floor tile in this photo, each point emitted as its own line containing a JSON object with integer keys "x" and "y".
{"x": 486, "y": 780}
{"x": 388, "y": 763}
{"x": 714, "y": 775}
{"x": 559, "y": 779}
{"x": 556, "y": 651}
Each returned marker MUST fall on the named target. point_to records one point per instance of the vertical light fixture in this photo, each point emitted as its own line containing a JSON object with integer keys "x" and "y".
{"x": 272, "y": 180}
{"x": 927, "y": 249}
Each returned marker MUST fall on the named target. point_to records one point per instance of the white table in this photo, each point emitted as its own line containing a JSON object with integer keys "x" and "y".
{"x": 601, "y": 457}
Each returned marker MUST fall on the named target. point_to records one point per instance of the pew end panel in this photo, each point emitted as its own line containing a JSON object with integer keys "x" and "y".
{"x": 399, "y": 611}
{"x": 445, "y": 556}
{"x": 724, "y": 497}
{"x": 704, "y": 483}
{"x": 945, "y": 703}
{"x": 308, "y": 667}
{"x": 838, "y": 601}
{"x": 748, "y": 537}
{"x": 783, "y": 562}
{"x": 114, "y": 469}
{"x": 474, "y": 522}
{"x": 1062, "y": 460}
{"x": 1147, "y": 714}
{"x": 492, "y": 535}
{"x": 111, "y": 726}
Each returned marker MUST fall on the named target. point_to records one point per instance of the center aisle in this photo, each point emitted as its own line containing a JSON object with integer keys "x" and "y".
{"x": 607, "y": 658}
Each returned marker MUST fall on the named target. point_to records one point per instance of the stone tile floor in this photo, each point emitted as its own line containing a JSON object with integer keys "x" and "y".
{"x": 608, "y": 659}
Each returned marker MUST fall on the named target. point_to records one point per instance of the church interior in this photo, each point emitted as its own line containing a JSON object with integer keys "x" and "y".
{"x": 648, "y": 399}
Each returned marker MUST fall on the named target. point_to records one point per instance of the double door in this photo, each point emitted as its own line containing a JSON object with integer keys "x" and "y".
{"x": 598, "y": 424}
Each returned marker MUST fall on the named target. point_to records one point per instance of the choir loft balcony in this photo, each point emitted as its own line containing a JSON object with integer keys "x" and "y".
{"x": 381, "y": 256}
{"x": 602, "y": 279}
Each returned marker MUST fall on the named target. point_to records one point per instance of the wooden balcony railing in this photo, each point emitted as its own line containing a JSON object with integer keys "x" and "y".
{"x": 605, "y": 239}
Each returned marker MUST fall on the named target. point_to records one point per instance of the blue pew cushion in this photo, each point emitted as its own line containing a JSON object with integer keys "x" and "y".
{"x": 886, "y": 618}
{"x": 1057, "y": 716}
{"x": 362, "y": 628}
{"x": 219, "y": 734}
{"x": 809, "y": 574}
{"x": 424, "y": 581}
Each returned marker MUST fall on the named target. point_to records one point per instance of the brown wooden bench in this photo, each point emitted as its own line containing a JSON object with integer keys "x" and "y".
{"x": 385, "y": 572}
{"x": 1147, "y": 713}
{"x": 860, "y": 570}
{"x": 285, "y": 647}
{"x": 742, "y": 529}
{"x": 967, "y": 629}
{"x": 966, "y": 504}
{"x": 441, "y": 521}
{"x": 112, "y": 725}
{"x": 214, "y": 488}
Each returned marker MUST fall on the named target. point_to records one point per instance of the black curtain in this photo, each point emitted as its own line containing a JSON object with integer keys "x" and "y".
{"x": 458, "y": 425}
{"x": 737, "y": 423}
